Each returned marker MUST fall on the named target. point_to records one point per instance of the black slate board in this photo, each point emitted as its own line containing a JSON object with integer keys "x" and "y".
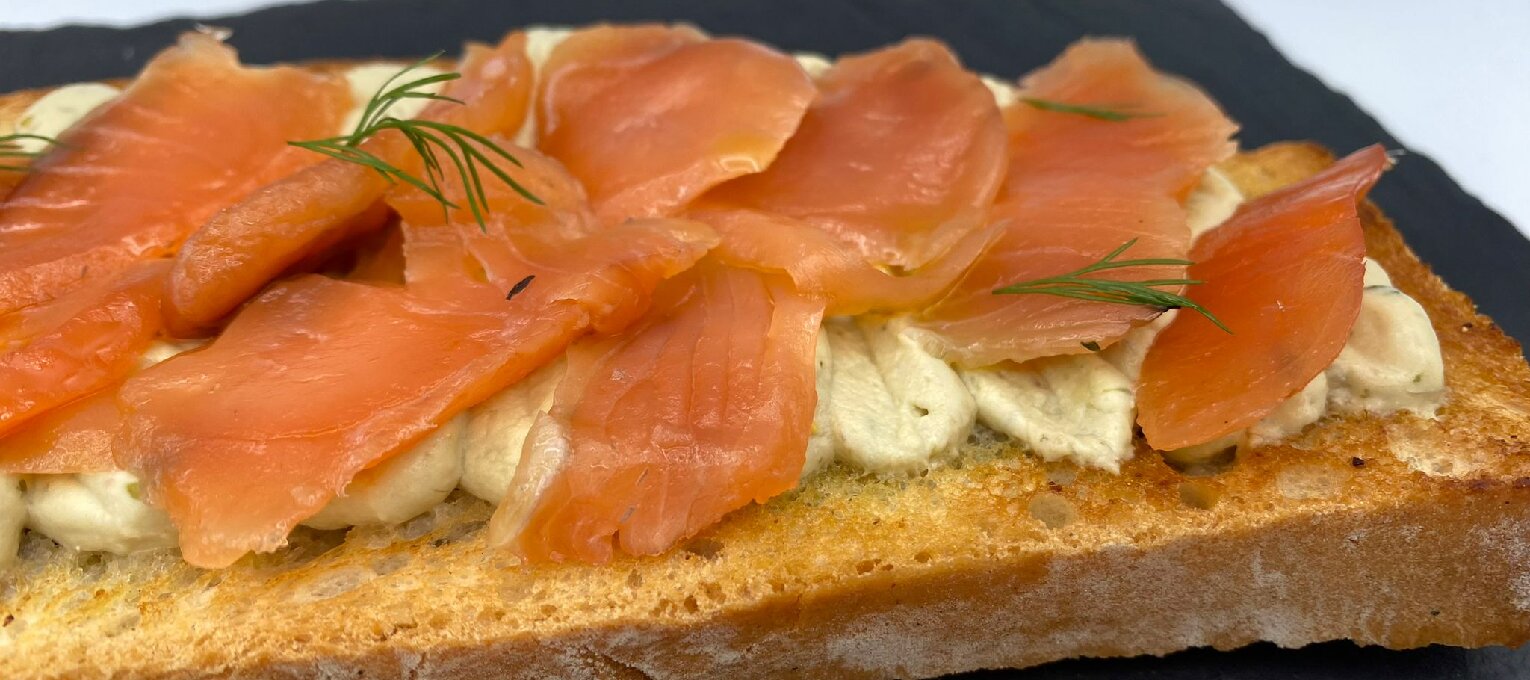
{"x": 1472, "y": 247}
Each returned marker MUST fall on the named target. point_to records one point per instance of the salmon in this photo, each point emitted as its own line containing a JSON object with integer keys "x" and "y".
{"x": 379, "y": 258}
{"x": 651, "y": 117}
{"x": 15, "y": 172}
{"x": 76, "y": 437}
{"x": 1078, "y": 188}
{"x": 900, "y": 157}
{"x": 58, "y": 351}
{"x": 194, "y": 133}
{"x": 1052, "y": 231}
{"x": 822, "y": 265}
{"x": 1172, "y": 132}
{"x": 562, "y": 211}
{"x": 1285, "y": 273}
{"x": 658, "y": 431}
{"x": 242, "y": 248}
{"x": 520, "y": 244}
{"x": 234, "y": 255}
{"x": 215, "y": 439}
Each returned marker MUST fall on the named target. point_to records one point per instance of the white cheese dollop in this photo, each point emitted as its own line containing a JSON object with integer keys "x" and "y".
{"x": 402, "y": 487}
{"x": 540, "y": 42}
{"x": 1392, "y": 361}
{"x": 102, "y": 511}
{"x": 1077, "y": 408}
{"x": 1004, "y": 94}
{"x": 815, "y": 64}
{"x": 59, "y": 110}
{"x": 820, "y": 447}
{"x": 1214, "y": 200}
{"x": 1294, "y": 415}
{"x": 1131, "y": 350}
{"x": 547, "y": 449}
{"x": 496, "y": 431}
{"x": 96, "y": 511}
{"x": 161, "y": 350}
{"x": 893, "y": 407}
{"x": 13, "y": 518}
{"x": 367, "y": 79}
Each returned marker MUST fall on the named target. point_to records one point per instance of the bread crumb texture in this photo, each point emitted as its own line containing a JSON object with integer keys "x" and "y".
{"x": 1397, "y": 531}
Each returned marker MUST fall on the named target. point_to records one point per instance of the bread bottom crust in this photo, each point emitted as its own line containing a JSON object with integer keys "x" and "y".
{"x": 1455, "y": 573}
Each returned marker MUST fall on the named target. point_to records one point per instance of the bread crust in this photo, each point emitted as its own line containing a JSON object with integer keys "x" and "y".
{"x": 1001, "y": 562}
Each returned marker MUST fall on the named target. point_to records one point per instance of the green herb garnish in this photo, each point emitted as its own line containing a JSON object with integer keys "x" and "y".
{"x": 1099, "y": 112}
{"x": 1091, "y": 346}
{"x": 429, "y": 139}
{"x": 10, "y": 147}
{"x": 1142, "y": 293}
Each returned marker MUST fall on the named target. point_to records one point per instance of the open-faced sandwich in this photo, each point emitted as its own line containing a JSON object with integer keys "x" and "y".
{"x": 631, "y": 352}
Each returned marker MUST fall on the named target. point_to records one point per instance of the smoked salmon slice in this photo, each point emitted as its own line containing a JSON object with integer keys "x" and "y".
{"x": 900, "y": 156}
{"x": 1286, "y": 274}
{"x": 1054, "y": 230}
{"x": 193, "y": 134}
{"x": 659, "y": 431}
{"x": 650, "y": 117}
{"x": 8, "y": 182}
{"x": 218, "y": 445}
{"x": 1167, "y": 134}
{"x": 561, "y": 213}
{"x": 822, "y": 265}
{"x": 1079, "y": 187}
{"x": 76, "y": 437}
{"x": 58, "y": 351}
{"x": 521, "y": 243}
{"x": 232, "y": 256}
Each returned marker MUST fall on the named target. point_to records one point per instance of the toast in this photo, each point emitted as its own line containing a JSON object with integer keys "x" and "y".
{"x": 1396, "y": 531}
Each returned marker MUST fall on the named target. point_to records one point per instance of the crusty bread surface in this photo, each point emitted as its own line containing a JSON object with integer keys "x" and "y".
{"x": 1395, "y": 531}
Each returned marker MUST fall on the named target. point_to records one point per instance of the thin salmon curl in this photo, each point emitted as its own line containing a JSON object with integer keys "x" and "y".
{"x": 329, "y": 202}
{"x": 195, "y": 133}
{"x": 1286, "y": 275}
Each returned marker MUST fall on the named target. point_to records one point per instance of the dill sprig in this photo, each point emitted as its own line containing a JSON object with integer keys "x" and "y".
{"x": 1142, "y": 293}
{"x": 1114, "y": 115}
{"x": 430, "y": 139}
{"x": 10, "y": 147}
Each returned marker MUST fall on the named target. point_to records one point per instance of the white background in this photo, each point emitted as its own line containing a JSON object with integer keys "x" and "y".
{"x": 1448, "y": 78}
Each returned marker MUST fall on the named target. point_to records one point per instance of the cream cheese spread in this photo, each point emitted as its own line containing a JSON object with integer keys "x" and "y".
{"x": 96, "y": 511}
{"x": 1392, "y": 361}
{"x": 893, "y": 407}
{"x": 1290, "y": 418}
{"x": 57, "y": 111}
{"x": 820, "y": 447}
{"x": 1077, "y": 408}
{"x": 368, "y": 79}
{"x": 102, "y": 510}
{"x": 540, "y": 42}
{"x": 496, "y": 432}
{"x": 405, "y": 485}
{"x": 13, "y": 518}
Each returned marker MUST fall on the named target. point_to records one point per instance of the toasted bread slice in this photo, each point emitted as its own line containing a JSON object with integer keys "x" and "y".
{"x": 1396, "y": 531}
